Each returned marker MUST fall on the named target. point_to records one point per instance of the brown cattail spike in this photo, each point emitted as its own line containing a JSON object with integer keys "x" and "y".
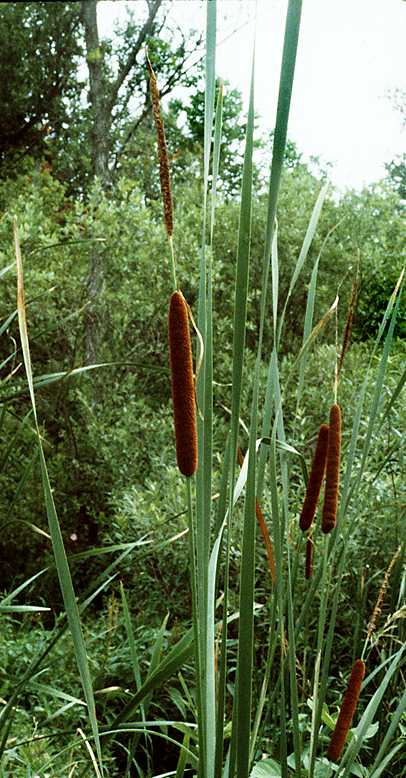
{"x": 309, "y": 558}
{"x": 315, "y": 480}
{"x": 347, "y": 711}
{"x": 381, "y": 596}
{"x": 263, "y": 527}
{"x": 329, "y": 516}
{"x": 183, "y": 389}
{"x": 164, "y": 172}
{"x": 267, "y": 540}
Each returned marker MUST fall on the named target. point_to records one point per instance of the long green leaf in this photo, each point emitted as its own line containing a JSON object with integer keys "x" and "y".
{"x": 62, "y": 566}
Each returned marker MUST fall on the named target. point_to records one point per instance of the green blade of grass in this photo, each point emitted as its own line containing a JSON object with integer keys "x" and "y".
{"x": 311, "y": 230}
{"x": 61, "y": 561}
{"x": 275, "y": 280}
{"x": 240, "y": 314}
{"x": 282, "y": 116}
{"x": 216, "y": 156}
{"x": 204, "y": 391}
{"x": 308, "y": 324}
{"x": 401, "y": 708}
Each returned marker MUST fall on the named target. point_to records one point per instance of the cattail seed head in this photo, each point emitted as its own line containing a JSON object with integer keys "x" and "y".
{"x": 164, "y": 172}
{"x": 315, "y": 479}
{"x": 381, "y": 596}
{"x": 329, "y": 515}
{"x": 309, "y": 558}
{"x": 263, "y": 527}
{"x": 267, "y": 540}
{"x": 183, "y": 389}
{"x": 347, "y": 711}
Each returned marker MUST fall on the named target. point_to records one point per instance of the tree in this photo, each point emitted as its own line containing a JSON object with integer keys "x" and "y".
{"x": 44, "y": 118}
{"x": 396, "y": 171}
{"x": 39, "y": 53}
{"x": 109, "y": 98}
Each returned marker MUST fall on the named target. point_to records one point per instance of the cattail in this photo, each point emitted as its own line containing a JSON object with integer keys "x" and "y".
{"x": 347, "y": 711}
{"x": 183, "y": 389}
{"x": 315, "y": 480}
{"x": 381, "y": 596}
{"x": 309, "y": 558}
{"x": 329, "y": 516}
{"x": 267, "y": 540}
{"x": 263, "y": 527}
{"x": 164, "y": 172}
{"x": 348, "y": 325}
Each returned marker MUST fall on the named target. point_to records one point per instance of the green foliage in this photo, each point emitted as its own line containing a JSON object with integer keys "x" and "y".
{"x": 40, "y": 50}
{"x": 396, "y": 171}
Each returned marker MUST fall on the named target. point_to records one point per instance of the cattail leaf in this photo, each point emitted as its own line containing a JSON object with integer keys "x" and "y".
{"x": 169, "y": 665}
{"x": 242, "y": 272}
{"x": 210, "y": 82}
{"x": 240, "y": 734}
{"x": 6, "y": 600}
{"x": 395, "y": 719}
{"x": 350, "y": 490}
{"x": 395, "y": 394}
{"x": 311, "y": 230}
{"x": 377, "y": 396}
{"x": 22, "y": 608}
{"x": 204, "y": 391}
{"x": 6, "y": 324}
{"x": 385, "y": 762}
{"x": 5, "y": 270}
{"x": 275, "y": 279}
{"x": 61, "y": 561}
{"x": 183, "y": 756}
{"x": 216, "y": 155}
{"x": 282, "y": 114}
{"x": 267, "y": 768}
{"x": 308, "y": 324}
{"x": 316, "y": 330}
{"x": 131, "y": 639}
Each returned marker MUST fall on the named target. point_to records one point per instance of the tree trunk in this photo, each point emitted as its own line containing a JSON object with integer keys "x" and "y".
{"x": 103, "y": 96}
{"x": 100, "y": 137}
{"x": 99, "y": 90}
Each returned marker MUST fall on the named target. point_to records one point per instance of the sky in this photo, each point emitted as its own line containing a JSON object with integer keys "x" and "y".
{"x": 351, "y": 57}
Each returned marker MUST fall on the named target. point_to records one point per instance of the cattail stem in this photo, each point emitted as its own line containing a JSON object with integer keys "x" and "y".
{"x": 348, "y": 325}
{"x": 263, "y": 527}
{"x": 173, "y": 265}
{"x": 329, "y": 516}
{"x": 315, "y": 480}
{"x": 309, "y": 558}
{"x": 347, "y": 711}
{"x": 183, "y": 389}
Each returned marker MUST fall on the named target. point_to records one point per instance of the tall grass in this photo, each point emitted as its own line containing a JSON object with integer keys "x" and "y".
{"x": 250, "y": 722}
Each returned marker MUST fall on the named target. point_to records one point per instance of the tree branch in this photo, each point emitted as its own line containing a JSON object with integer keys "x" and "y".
{"x": 153, "y": 7}
{"x": 165, "y": 90}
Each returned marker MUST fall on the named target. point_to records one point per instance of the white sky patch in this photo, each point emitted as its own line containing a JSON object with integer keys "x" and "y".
{"x": 351, "y": 55}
